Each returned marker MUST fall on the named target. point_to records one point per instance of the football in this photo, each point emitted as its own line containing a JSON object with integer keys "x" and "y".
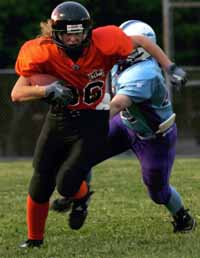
{"x": 42, "y": 79}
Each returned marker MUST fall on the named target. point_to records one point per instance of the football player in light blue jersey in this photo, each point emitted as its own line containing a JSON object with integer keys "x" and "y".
{"x": 147, "y": 114}
{"x": 142, "y": 119}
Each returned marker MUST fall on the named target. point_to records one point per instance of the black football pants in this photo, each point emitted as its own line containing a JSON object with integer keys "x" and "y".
{"x": 67, "y": 143}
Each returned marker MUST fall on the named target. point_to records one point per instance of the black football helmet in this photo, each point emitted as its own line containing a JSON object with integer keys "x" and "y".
{"x": 71, "y": 17}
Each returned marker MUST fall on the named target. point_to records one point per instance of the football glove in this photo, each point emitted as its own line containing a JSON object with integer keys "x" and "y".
{"x": 177, "y": 76}
{"x": 56, "y": 93}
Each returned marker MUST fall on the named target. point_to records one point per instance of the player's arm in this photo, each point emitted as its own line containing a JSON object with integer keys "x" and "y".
{"x": 176, "y": 74}
{"x": 153, "y": 49}
{"x": 24, "y": 91}
{"x": 118, "y": 103}
{"x": 53, "y": 93}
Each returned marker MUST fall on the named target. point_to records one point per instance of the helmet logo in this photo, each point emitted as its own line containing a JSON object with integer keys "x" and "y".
{"x": 74, "y": 28}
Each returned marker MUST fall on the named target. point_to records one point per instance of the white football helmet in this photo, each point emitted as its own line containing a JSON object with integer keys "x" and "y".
{"x": 135, "y": 27}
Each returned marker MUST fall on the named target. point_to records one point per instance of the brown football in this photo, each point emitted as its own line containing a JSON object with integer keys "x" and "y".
{"x": 42, "y": 79}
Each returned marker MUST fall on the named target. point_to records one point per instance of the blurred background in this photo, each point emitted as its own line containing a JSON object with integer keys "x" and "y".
{"x": 176, "y": 23}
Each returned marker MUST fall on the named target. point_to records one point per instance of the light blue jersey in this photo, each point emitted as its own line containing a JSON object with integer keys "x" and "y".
{"x": 144, "y": 83}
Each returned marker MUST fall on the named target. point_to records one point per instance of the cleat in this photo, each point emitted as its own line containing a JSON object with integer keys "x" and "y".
{"x": 31, "y": 244}
{"x": 79, "y": 212}
{"x": 183, "y": 222}
{"x": 61, "y": 205}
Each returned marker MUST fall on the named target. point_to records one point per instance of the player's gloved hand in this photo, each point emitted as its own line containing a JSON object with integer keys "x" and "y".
{"x": 56, "y": 93}
{"x": 177, "y": 76}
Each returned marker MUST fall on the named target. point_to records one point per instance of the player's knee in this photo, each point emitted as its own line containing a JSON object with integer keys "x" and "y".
{"x": 157, "y": 185}
{"x": 65, "y": 189}
{"x": 41, "y": 188}
{"x": 157, "y": 198}
{"x": 160, "y": 197}
{"x": 61, "y": 190}
{"x": 68, "y": 182}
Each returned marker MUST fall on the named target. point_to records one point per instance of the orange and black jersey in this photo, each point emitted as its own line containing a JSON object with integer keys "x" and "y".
{"x": 87, "y": 76}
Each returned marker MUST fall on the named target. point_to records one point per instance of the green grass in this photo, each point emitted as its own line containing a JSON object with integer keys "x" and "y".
{"x": 122, "y": 223}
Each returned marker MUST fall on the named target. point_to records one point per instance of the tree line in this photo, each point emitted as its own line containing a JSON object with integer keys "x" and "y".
{"x": 19, "y": 21}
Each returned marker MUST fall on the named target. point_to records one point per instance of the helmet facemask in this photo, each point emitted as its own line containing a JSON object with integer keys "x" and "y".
{"x": 71, "y": 18}
{"x": 72, "y": 50}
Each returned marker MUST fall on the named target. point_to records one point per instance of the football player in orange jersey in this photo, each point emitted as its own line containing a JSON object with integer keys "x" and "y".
{"x": 77, "y": 123}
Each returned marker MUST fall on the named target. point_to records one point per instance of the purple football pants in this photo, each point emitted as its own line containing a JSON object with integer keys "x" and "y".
{"x": 156, "y": 156}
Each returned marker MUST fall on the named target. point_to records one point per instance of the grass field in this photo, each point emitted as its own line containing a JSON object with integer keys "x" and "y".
{"x": 122, "y": 222}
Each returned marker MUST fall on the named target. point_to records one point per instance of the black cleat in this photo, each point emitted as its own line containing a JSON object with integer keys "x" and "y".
{"x": 31, "y": 243}
{"x": 61, "y": 205}
{"x": 183, "y": 221}
{"x": 79, "y": 212}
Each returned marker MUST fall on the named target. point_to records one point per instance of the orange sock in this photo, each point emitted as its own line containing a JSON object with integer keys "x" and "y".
{"x": 83, "y": 190}
{"x": 36, "y": 217}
